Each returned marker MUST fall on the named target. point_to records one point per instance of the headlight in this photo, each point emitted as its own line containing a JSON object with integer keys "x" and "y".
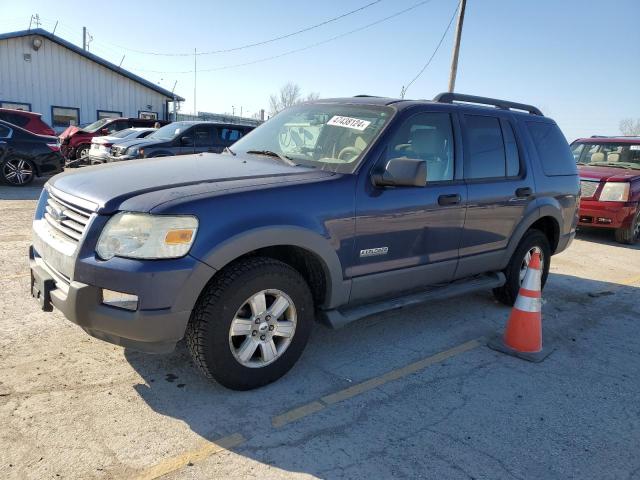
{"x": 140, "y": 235}
{"x": 615, "y": 192}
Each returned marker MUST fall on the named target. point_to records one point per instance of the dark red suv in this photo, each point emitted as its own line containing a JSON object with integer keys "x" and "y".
{"x": 75, "y": 142}
{"x": 30, "y": 121}
{"x": 610, "y": 179}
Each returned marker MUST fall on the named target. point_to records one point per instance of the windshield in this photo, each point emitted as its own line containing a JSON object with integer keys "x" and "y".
{"x": 95, "y": 126}
{"x": 169, "y": 132}
{"x": 123, "y": 133}
{"x": 331, "y": 136}
{"x": 623, "y": 155}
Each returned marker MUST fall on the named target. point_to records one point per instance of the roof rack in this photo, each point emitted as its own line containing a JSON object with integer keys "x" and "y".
{"x": 502, "y": 104}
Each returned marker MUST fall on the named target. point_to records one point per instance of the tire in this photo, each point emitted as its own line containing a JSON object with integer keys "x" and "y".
{"x": 82, "y": 152}
{"x": 17, "y": 172}
{"x": 218, "y": 354}
{"x": 631, "y": 234}
{"x": 508, "y": 293}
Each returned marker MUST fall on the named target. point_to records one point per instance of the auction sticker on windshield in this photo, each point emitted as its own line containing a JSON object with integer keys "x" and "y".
{"x": 348, "y": 122}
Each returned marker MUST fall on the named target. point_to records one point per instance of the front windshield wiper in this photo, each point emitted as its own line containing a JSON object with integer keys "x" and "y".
{"x": 227, "y": 149}
{"x": 615, "y": 165}
{"x": 270, "y": 153}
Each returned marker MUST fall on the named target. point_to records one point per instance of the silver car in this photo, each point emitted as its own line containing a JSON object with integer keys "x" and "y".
{"x": 101, "y": 146}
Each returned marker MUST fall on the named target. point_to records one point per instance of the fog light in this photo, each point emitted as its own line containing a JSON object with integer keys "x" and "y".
{"x": 604, "y": 220}
{"x": 119, "y": 299}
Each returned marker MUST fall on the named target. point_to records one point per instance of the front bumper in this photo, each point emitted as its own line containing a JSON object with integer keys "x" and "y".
{"x": 154, "y": 327}
{"x": 594, "y": 213}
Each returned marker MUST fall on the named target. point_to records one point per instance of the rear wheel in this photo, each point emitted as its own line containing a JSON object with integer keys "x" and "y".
{"x": 533, "y": 241}
{"x": 631, "y": 234}
{"x": 17, "y": 172}
{"x": 251, "y": 323}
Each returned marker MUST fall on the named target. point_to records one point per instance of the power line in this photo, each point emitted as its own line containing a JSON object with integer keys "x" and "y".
{"x": 256, "y": 44}
{"x": 290, "y": 52}
{"x": 404, "y": 89}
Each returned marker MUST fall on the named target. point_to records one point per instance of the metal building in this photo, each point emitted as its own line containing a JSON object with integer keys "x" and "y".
{"x": 43, "y": 73}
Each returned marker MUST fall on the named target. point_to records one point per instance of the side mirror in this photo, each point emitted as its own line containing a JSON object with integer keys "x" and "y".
{"x": 186, "y": 141}
{"x": 104, "y": 131}
{"x": 402, "y": 172}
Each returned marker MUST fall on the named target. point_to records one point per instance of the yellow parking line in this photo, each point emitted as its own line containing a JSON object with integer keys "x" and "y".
{"x": 630, "y": 281}
{"x": 207, "y": 449}
{"x": 375, "y": 382}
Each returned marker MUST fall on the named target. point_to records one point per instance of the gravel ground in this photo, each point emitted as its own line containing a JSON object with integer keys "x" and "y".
{"x": 75, "y": 407}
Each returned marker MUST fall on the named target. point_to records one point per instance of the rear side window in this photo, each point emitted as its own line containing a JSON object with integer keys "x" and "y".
{"x": 4, "y": 131}
{"x": 486, "y": 157}
{"x": 230, "y": 134}
{"x": 553, "y": 150}
{"x": 15, "y": 118}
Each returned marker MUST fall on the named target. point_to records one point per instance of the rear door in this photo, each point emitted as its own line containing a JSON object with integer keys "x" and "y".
{"x": 408, "y": 237}
{"x": 205, "y": 138}
{"x": 499, "y": 190}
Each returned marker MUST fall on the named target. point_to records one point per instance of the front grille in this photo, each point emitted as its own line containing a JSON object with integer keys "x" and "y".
{"x": 588, "y": 188}
{"x": 68, "y": 219}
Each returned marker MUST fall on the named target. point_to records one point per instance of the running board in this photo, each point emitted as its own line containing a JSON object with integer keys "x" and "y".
{"x": 339, "y": 318}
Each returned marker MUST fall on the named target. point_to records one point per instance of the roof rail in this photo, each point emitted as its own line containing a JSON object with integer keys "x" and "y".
{"x": 502, "y": 104}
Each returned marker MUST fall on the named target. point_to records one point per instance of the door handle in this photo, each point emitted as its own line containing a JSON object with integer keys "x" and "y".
{"x": 452, "y": 199}
{"x": 524, "y": 192}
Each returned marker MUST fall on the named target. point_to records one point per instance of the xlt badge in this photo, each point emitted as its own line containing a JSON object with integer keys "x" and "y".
{"x": 372, "y": 252}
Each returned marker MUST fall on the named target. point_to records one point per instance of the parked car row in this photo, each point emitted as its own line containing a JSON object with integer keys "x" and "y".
{"x": 29, "y": 147}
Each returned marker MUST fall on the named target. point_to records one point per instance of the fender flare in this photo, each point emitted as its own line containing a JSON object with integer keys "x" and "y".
{"x": 533, "y": 216}
{"x": 337, "y": 289}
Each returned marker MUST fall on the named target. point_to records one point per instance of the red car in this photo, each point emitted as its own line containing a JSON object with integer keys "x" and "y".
{"x": 610, "y": 179}
{"x": 30, "y": 121}
{"x": 75, "y": 142}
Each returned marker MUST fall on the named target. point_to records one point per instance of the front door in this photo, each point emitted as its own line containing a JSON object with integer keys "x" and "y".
{"x": 408, "y": 237}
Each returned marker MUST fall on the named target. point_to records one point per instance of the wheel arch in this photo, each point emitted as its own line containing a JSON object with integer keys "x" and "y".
{"x": 306, "y": 251}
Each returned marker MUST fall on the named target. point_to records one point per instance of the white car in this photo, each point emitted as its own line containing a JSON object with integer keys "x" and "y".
{"x": 101, "y": 146}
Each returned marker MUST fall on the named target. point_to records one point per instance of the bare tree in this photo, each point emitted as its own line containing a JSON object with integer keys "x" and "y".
{"x": 629, "y": 127}
{"x": 289, "y": 94}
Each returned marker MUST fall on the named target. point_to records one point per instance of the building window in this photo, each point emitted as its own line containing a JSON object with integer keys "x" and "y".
{"x": 147, "y": 115}
{"x": 108, "y": 114}
{"x": 16, "y": 105}
{"x": 65, "y": 116}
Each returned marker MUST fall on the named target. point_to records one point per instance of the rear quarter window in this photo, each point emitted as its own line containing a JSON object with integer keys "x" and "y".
{"x": 553, "y": 150}
{"x": 15, "y": 118}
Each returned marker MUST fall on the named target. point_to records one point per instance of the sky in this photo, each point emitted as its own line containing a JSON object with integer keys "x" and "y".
{"x": 577, "y": 60}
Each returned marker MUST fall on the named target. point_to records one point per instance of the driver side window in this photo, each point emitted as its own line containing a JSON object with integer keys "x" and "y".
{"x": 428, "y": 137}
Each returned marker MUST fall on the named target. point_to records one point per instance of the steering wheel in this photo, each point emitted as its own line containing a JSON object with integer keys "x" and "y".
{"x": 354, "y": 151}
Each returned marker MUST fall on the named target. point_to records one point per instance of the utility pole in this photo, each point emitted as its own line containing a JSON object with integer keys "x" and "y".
{"x": 456, "y": 46}
{"x": 195, "y": 80}
{"x": 84, "y": 38}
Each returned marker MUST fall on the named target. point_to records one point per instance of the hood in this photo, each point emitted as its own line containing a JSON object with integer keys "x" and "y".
{"x": 105, "y": 139}
{"x": 70, "y": 130}
{"x": 607, "y": 173}
{"x": 109, "y": 185}
{"x": 131, "y": 142}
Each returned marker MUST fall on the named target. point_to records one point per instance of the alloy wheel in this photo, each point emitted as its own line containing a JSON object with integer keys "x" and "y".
{"x": 262, "y": 328}
{"x": 527, "y": 259}
{"x": 17, "y": 172}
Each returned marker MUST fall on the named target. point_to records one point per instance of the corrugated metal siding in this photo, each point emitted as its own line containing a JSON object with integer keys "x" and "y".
{"x": 57, "y": 76}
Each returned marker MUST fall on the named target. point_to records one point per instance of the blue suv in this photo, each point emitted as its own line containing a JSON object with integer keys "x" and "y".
{"x": 334, "y": 209}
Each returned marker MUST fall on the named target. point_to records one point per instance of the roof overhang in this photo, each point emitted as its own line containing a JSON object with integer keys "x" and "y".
{"x": 94, "y": 58}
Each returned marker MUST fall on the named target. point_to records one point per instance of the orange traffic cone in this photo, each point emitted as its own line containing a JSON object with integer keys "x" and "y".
{"x": 523, "y": 335}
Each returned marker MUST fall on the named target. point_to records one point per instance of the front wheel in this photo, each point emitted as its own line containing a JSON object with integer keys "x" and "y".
{"x": 631, "y": 234}
{"x": 251, "y": 323}
{"x": 533, "y": 241}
